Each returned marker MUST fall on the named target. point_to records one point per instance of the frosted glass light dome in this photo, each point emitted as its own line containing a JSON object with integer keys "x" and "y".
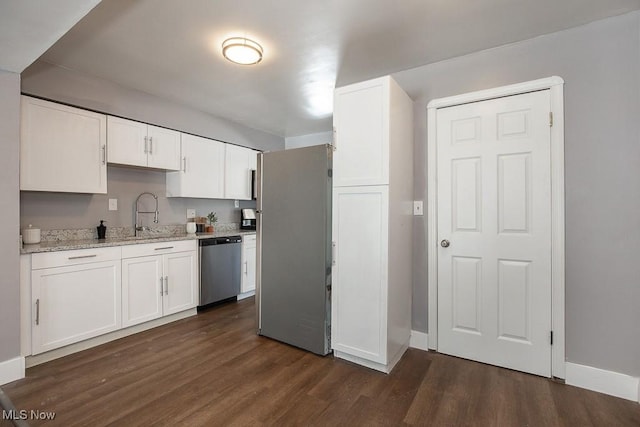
{"x": 242, "y": 50}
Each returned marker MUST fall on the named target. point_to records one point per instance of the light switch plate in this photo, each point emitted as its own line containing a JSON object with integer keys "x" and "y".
{"x": 417, "y": 208}
{"x": 113, "y": 204}
{"x": 191, "y": 213}
{"x": 236, "y": 203}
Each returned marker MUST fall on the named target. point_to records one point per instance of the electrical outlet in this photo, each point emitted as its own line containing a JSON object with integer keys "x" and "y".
{"x": 236, "y": 203}
{"x": 417, "y": 208}
{"x": 113, "y": 204}
{"x": 191, "y": 213}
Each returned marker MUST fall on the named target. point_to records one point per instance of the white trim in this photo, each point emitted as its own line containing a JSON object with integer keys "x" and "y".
{"x": 555, "y": 85}
{"x": 419, "y": 340}
{"x": 482, "y": 95}
{"x": 246, "y": 295}
{"x": 11, "y": 370}
{"x": 432, "y": 229}
{"x": 370, "y": 364}
{"x": 607, "y": 382}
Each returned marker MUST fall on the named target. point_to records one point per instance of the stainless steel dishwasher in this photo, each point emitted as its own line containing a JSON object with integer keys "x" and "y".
{"x": 219, "y": 269}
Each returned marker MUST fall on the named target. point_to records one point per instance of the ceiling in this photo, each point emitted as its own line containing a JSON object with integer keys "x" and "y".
{"x": 172, "y": 49}
{"x": 30, "y": 27}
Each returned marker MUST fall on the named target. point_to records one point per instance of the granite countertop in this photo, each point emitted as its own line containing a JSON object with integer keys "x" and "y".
{"x": 66, "y": 245}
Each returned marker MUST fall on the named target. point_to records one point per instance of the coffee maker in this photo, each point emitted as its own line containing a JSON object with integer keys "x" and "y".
{"x": 247, "y": 219}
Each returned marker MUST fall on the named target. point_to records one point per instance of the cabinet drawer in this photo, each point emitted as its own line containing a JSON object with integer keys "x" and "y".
{"x": 75, "y": 257}
{"x": 159, "y": 248}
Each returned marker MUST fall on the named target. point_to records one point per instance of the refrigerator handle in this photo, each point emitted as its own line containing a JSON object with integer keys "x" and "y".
{"x": 258, "y": 183}
{"x": 333, "y": 253}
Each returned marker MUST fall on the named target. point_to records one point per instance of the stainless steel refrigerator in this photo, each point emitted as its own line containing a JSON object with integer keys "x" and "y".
{"x": 293, "y": 293}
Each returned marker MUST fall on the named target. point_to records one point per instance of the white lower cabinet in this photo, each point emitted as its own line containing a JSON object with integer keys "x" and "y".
{"x": 81, "y": 294}
{"x": 142, "y": 289}
{"x": 248, "y": 264}
{"x": 75, "y": 300}
{"x": 181, "y": 282}
{"x": 158, "y": 279}
{"x": 360, "y": 292}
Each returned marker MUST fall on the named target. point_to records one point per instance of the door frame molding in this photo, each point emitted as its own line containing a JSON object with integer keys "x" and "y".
{"x": 556, "y": 87}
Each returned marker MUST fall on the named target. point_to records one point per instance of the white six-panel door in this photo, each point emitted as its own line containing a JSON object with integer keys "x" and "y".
{"x": 494, "y": 212}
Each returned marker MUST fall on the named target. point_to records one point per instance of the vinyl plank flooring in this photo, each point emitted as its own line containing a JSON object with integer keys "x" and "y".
{"x": 213, "y": 370}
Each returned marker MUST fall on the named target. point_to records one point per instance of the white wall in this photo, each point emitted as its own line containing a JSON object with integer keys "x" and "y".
{"x": 308, "y": 140}
{"x": 600, "y": 64}
{"x": 9, "y": 216}
{"x": 52, "y": 82}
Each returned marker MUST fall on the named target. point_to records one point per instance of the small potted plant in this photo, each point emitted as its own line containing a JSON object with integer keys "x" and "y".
{"x": 213, "y": 218}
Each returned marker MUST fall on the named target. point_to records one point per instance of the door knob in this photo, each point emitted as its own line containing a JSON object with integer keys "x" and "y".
{"x": 445, "y": 243}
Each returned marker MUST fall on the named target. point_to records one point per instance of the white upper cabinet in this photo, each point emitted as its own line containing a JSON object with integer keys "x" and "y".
{"x": 361, "y": 125}
{"x": 139, "y": 144}
{"x": 202, "y": 172}
{"x": 62, "y": 148}
{"x": 238, "y": 163}
{"x": 164, "y": 148}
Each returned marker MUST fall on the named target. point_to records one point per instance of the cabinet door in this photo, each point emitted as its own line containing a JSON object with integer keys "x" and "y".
{"x": 142, "y": 289}
{"x": 248, "y": 264}
{"x": 181, "y": 282}
{"x": 62, "y": 148}
{"x": 253, "y": 160}
{"x": 359, "y": 276}
{"x": 164, "y": 148}
{"x": 202, "y": 173}
{"x": 71, "y": 304}
{"x": 128, "y": 144}
{"x": 361, "y": 122}
{"x": 237, "y": 176}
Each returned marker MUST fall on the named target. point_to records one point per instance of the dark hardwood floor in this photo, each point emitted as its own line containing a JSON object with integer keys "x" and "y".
{"x": 213, "y": 370}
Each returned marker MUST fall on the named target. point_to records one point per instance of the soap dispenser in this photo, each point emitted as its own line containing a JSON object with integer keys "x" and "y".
{"x": 102, "y": 230}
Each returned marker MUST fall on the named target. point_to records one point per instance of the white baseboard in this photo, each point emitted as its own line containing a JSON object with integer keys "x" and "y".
{"x": 607, "y": 382}
{"x": 419, "y": 340}
{"x": 11, "y": 370}
{"x": 246, "y": 295}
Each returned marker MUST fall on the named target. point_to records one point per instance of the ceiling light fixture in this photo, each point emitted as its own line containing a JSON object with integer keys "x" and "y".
{"x": 242, "y": 50}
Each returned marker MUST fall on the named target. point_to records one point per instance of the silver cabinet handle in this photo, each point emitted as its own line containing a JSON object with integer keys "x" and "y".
{"x": 166, "y": 285}
{"x": 161, "y": 287}
{"x": 246, "y": 270}
{"x": 445, "y": 243}
{"x": 161, "y": 249}
{"x": 184, "y": 162}
{"x": 146, "y": 145}
{"x": 150, "y": 145}
{"x": 83, "y": 256}
{"x": 38, "y": 311}
{"x": 104, "y": 154}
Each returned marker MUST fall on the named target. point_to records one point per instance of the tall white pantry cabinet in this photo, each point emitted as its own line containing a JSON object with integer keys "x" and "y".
{"x": 372, "y": 223}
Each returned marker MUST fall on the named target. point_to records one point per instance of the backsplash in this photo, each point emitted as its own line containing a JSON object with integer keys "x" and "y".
{"x": 123, "y": 232}
{"x": 57, "y": 211}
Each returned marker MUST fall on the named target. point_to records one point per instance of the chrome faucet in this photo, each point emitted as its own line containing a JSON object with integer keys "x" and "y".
{"x": 155, "y": 213}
